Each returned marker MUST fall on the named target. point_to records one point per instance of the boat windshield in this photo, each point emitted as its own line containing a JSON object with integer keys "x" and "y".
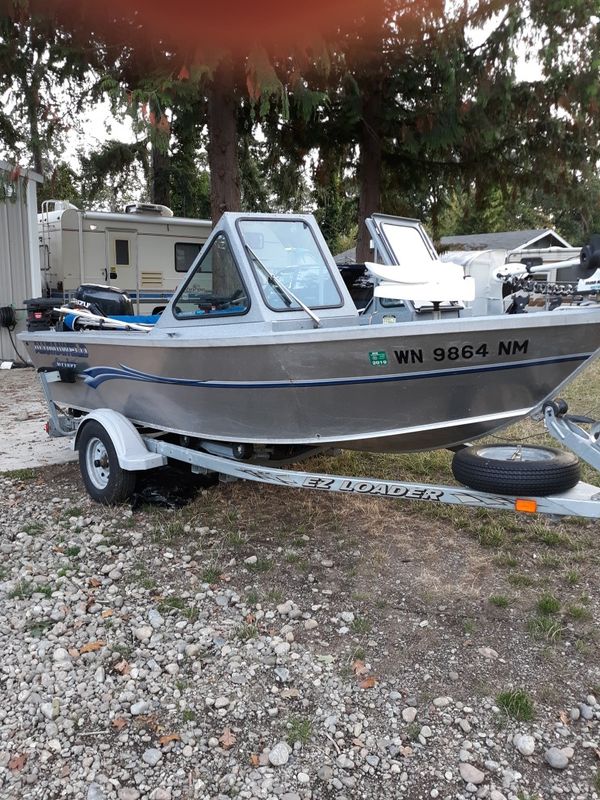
{"x": 290, "y": 253}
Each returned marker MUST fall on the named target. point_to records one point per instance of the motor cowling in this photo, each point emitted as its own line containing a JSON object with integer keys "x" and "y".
{"x": 107, "y": 301}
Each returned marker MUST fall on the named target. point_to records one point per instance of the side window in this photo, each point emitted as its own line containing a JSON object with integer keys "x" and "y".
{"x": 214, "y": 287}
{"x": 122, "y": 252}
{"x": 185, "y": 255}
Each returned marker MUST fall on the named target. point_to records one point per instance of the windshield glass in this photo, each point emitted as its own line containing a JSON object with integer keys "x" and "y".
{"x": 407, "y": 244}
{"x": 289, "y": 252}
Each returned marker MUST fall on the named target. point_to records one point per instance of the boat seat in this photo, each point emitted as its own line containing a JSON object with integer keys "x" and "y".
{"x": 430, "y": 282}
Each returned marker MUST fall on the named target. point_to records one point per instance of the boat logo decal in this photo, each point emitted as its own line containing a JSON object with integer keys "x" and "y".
{"x": 95, "y": 376}
{"x": 69, "y": 349}
{"x": 378, "y": 358}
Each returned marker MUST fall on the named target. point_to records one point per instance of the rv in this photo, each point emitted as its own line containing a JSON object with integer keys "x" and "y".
{"x": 144, "y": 251}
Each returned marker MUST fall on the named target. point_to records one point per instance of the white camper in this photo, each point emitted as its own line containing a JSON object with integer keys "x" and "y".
{"x": 144, "y": 251}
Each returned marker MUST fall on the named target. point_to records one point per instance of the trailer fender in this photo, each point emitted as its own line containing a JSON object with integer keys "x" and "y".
{"x": 129, "y": 446}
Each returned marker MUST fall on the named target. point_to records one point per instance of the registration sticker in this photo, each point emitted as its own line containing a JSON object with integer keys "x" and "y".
{"x": 378, "y": 358}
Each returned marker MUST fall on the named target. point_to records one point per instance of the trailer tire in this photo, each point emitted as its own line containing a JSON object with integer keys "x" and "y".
{"x": 103, "y": 477}
{"x": 516, "y": 469}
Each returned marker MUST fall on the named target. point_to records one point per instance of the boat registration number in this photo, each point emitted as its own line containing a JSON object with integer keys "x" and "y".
{"x": 465, "y": 352}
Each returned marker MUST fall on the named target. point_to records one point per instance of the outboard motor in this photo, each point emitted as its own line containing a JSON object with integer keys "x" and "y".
{"x": 589, "y": 258}
{"x": 588, "y": 271}
{"x": 106, "y": 301}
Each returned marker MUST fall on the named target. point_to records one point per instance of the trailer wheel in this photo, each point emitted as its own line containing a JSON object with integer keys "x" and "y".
{"x": 516, "y": 469}
{"x": 104, "y": 479}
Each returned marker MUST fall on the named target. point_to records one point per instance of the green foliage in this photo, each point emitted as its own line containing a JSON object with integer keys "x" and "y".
{"x": 457, "y": 137}
{"x": 517, "y": 704}
{"x": 109, "y": 172}
{"x": 499, "y": 600}
{"x": 299, "y": 730}
{"x": 548, "y": 604}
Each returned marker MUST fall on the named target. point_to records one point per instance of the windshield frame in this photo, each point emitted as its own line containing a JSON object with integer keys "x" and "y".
{"x": 255, "y": 270}
{"x": 202, "y": 255}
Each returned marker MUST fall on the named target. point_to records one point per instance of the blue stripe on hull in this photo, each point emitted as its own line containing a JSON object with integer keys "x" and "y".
{"x": 94, "y": 376}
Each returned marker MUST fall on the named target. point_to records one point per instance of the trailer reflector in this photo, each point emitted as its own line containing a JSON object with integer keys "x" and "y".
{"x": 527, "y": 506}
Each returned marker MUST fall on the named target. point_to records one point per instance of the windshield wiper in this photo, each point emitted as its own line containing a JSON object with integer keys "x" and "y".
{"x": 286, "y": 294}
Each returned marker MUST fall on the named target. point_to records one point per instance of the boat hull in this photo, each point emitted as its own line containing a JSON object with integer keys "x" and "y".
{"x": 414, "y": 386}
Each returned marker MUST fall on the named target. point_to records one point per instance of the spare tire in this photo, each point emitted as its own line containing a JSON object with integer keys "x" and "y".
{"x": 516, "y": 469}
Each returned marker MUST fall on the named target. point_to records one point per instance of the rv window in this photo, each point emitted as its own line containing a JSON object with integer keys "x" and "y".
{"x": 122, "y": 252}
{"x": 214, "y": 285}
{"x": 185, "y": 255}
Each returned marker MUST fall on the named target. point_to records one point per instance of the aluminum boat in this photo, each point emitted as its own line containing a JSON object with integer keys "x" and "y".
{"x": 262, "y": 350}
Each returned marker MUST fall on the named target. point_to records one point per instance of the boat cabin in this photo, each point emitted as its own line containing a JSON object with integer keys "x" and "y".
{"x": 276, "y": 269}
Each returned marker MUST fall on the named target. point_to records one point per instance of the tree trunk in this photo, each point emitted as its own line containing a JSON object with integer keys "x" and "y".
{"x": 32, "y": 94}
{"x": 160, "y": 159}
{"x": 369, "y": 168}
{"x": 222, "y": 143}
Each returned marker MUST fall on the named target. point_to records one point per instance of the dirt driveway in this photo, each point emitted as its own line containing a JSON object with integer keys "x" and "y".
{"x": 23, "y": 441}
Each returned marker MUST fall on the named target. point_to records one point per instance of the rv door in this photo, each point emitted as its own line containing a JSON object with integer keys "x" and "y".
{"x": 121, "y": 261}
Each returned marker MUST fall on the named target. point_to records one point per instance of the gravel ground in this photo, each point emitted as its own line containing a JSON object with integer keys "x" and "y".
{"x": 266, "y": 643}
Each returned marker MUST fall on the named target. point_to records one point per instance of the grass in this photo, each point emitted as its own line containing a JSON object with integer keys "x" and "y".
{"x": 123, "y": 649}
{"x": 140, "y": 575}
{"x": 520, "y": 580}
{"x": 550, "y": 538}
{"x": 38, "y": 628}
{"x": 33, "y": 528}
{"x": 252, "y": 597}
{"x": 235, "y": 540}
{"x": 491, "y": 535}
{"x": 516, "y": 704}
{"x": 572, "y": 577}
{"x": 20, "y": 474}
{"x": 179, "y": 604}
{"x": 23, "y": 590}
{"x": 544, "y": 627}
{"x": 579, "y": 613}
{"x": 73, "y": 511}
{"x": 188, "y": 715}
{"x": 261, "y": 565}
{"x": 413, "y": 731}
{"x": 299, "y": 730}
{"x": 246, "y": 632}
{"x": 506, "y": 560}
{"x": 360, "y": 625}
{"x": 548, "y": 604}
{"x": 72, "y": 552}
{"x": 211, "y": 574}
{"x": 499, "y": 600}
{"x": 550, "y": 561}
{"x": 171, "y": 530}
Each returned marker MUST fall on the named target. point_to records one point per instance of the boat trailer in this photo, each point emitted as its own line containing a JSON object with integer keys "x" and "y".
{"x": 136, "y": 451}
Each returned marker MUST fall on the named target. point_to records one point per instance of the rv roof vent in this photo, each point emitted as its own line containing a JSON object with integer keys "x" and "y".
{"x": 148, "y": 208}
